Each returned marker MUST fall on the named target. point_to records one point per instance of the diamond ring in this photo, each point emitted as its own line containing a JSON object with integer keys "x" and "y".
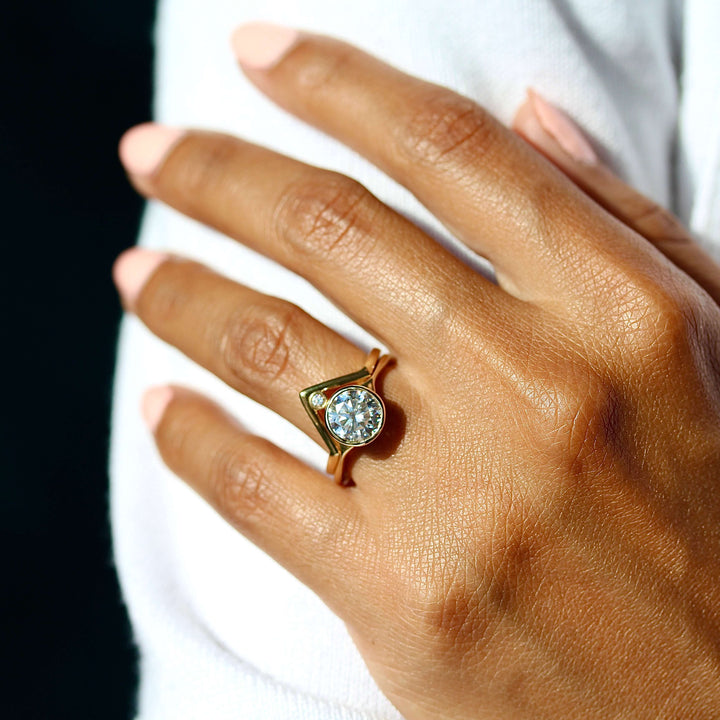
{"x": 347, "y": 411}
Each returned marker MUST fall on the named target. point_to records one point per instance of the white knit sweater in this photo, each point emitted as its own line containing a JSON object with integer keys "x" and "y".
{"x": 223, "y": 631}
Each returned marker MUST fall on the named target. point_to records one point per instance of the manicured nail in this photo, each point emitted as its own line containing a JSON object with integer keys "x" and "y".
{"x": 131, "y": 271}
{"x": 154, "y": 402}
{"x": 143, "y": 148}
{"x": 566, "y": 133}
{"x": 260, "y": 46}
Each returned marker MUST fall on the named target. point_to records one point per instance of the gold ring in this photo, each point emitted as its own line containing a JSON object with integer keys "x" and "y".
{"x": 347, "y": 411}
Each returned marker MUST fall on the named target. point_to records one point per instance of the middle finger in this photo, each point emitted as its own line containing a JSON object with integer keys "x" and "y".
{"x": 396, "y": 281}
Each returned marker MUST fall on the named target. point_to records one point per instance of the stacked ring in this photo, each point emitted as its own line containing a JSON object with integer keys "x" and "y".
{"x": 347, "y": 411}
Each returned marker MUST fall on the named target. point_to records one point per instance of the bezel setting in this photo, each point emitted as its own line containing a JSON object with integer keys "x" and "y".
{"x": 364, "y": 422}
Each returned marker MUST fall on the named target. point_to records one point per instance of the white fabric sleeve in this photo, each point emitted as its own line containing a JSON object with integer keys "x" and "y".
{"x": 698, "y": 167}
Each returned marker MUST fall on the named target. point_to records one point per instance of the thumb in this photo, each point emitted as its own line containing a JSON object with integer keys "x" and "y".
{"x": 557, "y": 137}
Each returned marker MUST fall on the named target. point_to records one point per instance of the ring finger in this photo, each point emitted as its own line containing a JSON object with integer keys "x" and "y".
{"x": 264, "y": 347}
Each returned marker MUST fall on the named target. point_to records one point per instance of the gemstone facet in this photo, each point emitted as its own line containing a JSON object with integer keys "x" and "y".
{"x": 318, "y": 400}
{"x": 355, "y": 415}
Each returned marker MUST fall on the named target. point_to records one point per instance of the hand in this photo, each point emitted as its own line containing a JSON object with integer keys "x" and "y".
{"x": 537, "y": 532}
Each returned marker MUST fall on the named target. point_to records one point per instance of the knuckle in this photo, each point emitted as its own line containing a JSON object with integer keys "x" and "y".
{"x": 659, "y": 320}
{"x": 676, "y": 324}
{"x": 331, "y": 216}
{"x": 575, "y": 412}
{"x": 567, "y": 408}
{"x": 256, "y": 345}
{"x": 453, "y": 613}
{"x": 585, "y": 424}
{"x": 440, "y": 604}
{"x": 446, "y": 128}
{"x": 463, "y": 604}
{"x": 239, "y": 485}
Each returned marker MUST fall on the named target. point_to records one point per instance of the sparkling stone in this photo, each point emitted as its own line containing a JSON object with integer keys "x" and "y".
{"x": 355, "y": 415}
{"x": 318, "y": 400}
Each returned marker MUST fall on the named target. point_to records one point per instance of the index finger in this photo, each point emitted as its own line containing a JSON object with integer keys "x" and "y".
{"x": 484, "y": 183}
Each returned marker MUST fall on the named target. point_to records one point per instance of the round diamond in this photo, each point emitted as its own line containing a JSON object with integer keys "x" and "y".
{"x": 318, "y": 400}
{"x": 355, "y": 415}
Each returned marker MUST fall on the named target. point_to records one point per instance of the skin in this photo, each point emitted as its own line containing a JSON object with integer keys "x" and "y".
{"x": 558, "y": 558}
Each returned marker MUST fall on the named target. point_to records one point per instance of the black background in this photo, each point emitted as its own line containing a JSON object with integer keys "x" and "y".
{"x": 74, "y": 76}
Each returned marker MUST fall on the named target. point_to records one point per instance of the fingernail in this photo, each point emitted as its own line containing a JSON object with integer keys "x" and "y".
{"x": 566, "y": 133}
{"x": 143, "y": 147}
{"x": 154, "y": 403}
{"x": 260, "y": 46}
{"x": 131, "y": 271}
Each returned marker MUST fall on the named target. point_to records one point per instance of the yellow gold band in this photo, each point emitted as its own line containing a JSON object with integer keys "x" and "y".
{"x": 347, "y": 411}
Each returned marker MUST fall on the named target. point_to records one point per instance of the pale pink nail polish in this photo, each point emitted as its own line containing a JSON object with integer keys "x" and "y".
{"x": 154, "y": 403}
{"x": 143, "y": 148}
{"x": 260, "y": 46}
{"x": 131, "y": 271}
{"x": 567, "y": 134}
